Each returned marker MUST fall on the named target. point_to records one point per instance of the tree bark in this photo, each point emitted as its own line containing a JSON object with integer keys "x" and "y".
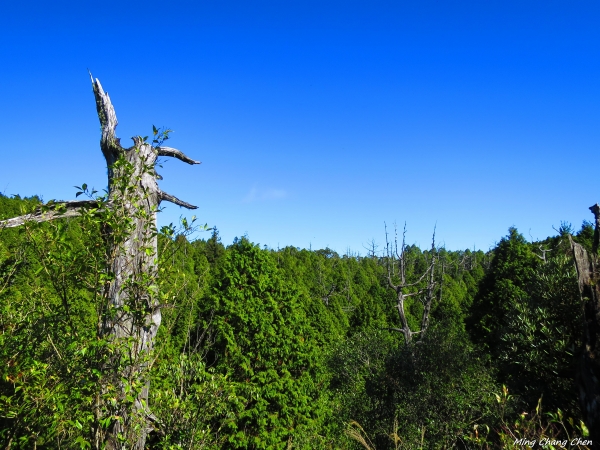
{"x": 588, "y": 374}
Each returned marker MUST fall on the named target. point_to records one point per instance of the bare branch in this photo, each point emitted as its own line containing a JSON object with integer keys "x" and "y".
{"x": 421, "y": 277}
{"x": 171, "y": 198}
{"x": 398, "y": 330}
{"x": 430, "y": 293}
{"x": 389, "y": 260}
{"x": 544, "y": 251}
{"x": 71, "y": 208}
{"x": 412, "y": 294}
{"x": 110, "y": 144}
{"x": 174, "y": 153}
{"x": 331, "y": 291}
{"x": 402, "y": 255}
{"x": 372, "y": 249}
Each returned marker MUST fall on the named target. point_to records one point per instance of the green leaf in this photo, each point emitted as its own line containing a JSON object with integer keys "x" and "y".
{"x": 584, "y": 429}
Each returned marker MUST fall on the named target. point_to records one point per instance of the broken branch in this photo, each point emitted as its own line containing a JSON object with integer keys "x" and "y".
{"x": 171, "y": 198}
{"x": 71, "y": 208}
{"x": 174, "y": 153}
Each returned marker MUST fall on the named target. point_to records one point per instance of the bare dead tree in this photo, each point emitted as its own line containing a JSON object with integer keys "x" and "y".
{"x": 371, "y": 248}
{"x": 543, "y": 252}
{"x": 542, "y": 249}
{"x": 396, "y": 262}
{"x": 326, "y": 287}
{"x": 462, "y": 264}
{"x": 588, "y": 376}
{"x": 131, "y": 314}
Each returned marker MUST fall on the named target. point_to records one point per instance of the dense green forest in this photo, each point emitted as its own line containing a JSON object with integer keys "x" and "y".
{"x": 264, "y": 348}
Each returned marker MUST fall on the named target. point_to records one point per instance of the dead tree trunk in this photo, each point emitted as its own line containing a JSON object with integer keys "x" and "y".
{"x": 131, "y": 313}
{"x": 588, "y": 375}
{"x": 396, "y": 262}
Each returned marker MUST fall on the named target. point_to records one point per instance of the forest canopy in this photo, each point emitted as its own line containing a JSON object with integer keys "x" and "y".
{"x": 297, "y": 348}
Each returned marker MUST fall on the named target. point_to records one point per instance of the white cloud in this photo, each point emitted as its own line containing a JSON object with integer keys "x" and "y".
{"x": 257, "y": 194}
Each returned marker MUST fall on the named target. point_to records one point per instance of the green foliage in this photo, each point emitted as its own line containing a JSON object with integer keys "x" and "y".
{"x": 542, "y": 334}
{"x": 431, "y": 392}
{"x": 16, "y": 206}
{"x": 66, "y": 379}
{"x": 47, "y": 340}
{"x": 585, "y": 236}
{"x": 445, "y": 387}
{"x": 536, "y": 335}
{"x": 265, "y": 345}
{"x": 528, "y": 429}
{"x": 358, "y": 365}
{"x": 286, "y": 349}
{"x": 511, "y": 269}
{"x": 191, "y": 404}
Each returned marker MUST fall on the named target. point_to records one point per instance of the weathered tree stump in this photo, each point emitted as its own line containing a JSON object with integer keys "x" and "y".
{"x": 588, "y": 374}
{"x": 131, "y": 313}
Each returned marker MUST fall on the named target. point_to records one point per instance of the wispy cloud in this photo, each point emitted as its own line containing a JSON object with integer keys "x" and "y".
{"x": 257, "y": 194}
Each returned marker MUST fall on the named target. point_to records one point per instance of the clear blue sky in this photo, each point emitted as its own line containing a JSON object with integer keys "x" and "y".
{"x": 318, "y": 121}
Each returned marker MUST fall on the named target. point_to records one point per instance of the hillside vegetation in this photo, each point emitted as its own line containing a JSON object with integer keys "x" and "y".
{"x": 291, "y": 348}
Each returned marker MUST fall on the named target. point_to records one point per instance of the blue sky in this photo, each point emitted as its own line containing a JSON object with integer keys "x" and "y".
{"x": 317, "y": 122}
